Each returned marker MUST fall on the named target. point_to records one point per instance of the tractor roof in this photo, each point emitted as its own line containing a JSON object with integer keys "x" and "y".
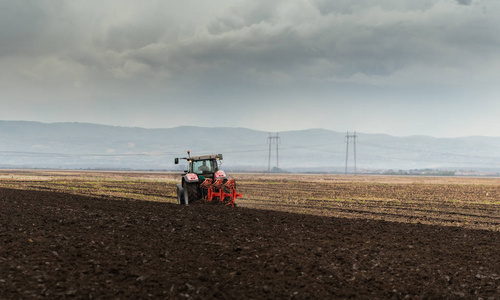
{"x": 204, "y": 157}
{"x": 200, "y": 157}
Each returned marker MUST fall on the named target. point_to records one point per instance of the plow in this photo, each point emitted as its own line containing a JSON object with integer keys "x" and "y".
{"x": 219, "y": 191}
{"x": 203, "y": 182}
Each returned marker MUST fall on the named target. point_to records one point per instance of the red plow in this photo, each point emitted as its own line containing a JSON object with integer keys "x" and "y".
{"x": 220, "y": 191}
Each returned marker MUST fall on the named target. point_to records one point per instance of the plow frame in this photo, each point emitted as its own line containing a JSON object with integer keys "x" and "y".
{"x": 222, "y": 190}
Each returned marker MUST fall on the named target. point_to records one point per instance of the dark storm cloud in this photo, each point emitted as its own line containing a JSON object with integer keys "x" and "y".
{"x": 321, "y": 40}
{"x": 166, "y": 52}
{"x": 21, "y": 24}
{"x": 318, "y": 40}
{"x": 36, "y": 28}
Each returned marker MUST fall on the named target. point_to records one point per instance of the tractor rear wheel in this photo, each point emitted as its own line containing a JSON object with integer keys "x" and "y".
{"x": 180, "y": 194}
{"x": 190, "y": 192}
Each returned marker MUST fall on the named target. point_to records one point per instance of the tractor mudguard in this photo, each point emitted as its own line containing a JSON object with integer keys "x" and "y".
{"x": 191, "y": 177}
{"x": 220, "y": 174}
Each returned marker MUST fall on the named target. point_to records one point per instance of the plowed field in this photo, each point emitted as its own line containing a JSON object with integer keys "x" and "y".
{"x": 121, "y": 235}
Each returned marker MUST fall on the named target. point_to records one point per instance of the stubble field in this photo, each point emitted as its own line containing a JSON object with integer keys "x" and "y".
{"x": 121, "y": 235}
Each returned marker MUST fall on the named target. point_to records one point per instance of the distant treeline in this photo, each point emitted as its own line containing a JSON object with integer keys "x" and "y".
{"x": 420, "y": 172}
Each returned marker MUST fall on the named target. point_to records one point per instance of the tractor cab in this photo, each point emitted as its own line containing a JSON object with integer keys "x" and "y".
{"x": 203, "y": 167}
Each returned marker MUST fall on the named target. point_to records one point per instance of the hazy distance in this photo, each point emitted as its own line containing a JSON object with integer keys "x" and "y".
{"x": 79, "y": 145}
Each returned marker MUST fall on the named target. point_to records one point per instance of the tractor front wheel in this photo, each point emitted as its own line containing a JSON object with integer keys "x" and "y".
{"x": 190, "y": 192}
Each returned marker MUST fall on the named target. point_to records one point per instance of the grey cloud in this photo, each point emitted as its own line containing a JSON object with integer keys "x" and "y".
{"x": 309, "y": 44}
{"x": 129, "y": 37}
{"x": 124, "y": 34}
{"x": 20, "y": 25}
{"x": 120, "y": 57}
{"x": 35, "y": 28}
{"x": 317, "y": 40}
{"x": 327, "y": 7}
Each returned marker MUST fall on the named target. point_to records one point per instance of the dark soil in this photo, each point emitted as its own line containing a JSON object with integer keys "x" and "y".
{"x": 57, "y": 245}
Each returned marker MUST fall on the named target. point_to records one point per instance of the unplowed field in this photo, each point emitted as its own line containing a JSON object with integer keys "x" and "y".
{"x": 121, "y": 235}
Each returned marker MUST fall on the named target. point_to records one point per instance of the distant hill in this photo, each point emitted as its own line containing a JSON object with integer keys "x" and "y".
{"x": 80, "y": 145}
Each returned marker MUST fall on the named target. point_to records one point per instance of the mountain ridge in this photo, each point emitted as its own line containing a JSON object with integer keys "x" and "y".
{"x": 89, "y": 145}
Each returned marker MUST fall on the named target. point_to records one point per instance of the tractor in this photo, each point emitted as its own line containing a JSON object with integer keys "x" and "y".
{"x": 203, "y": 182}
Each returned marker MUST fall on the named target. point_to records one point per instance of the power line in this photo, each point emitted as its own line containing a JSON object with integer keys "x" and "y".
{"x": 146, "y": 154}
{"x": 51, "y": 154}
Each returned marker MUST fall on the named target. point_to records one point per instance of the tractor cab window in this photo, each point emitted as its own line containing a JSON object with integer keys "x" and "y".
{"x": 203, "y": 166}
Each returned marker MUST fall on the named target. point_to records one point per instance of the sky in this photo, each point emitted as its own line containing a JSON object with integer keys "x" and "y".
{"x": 416, "y": 67}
